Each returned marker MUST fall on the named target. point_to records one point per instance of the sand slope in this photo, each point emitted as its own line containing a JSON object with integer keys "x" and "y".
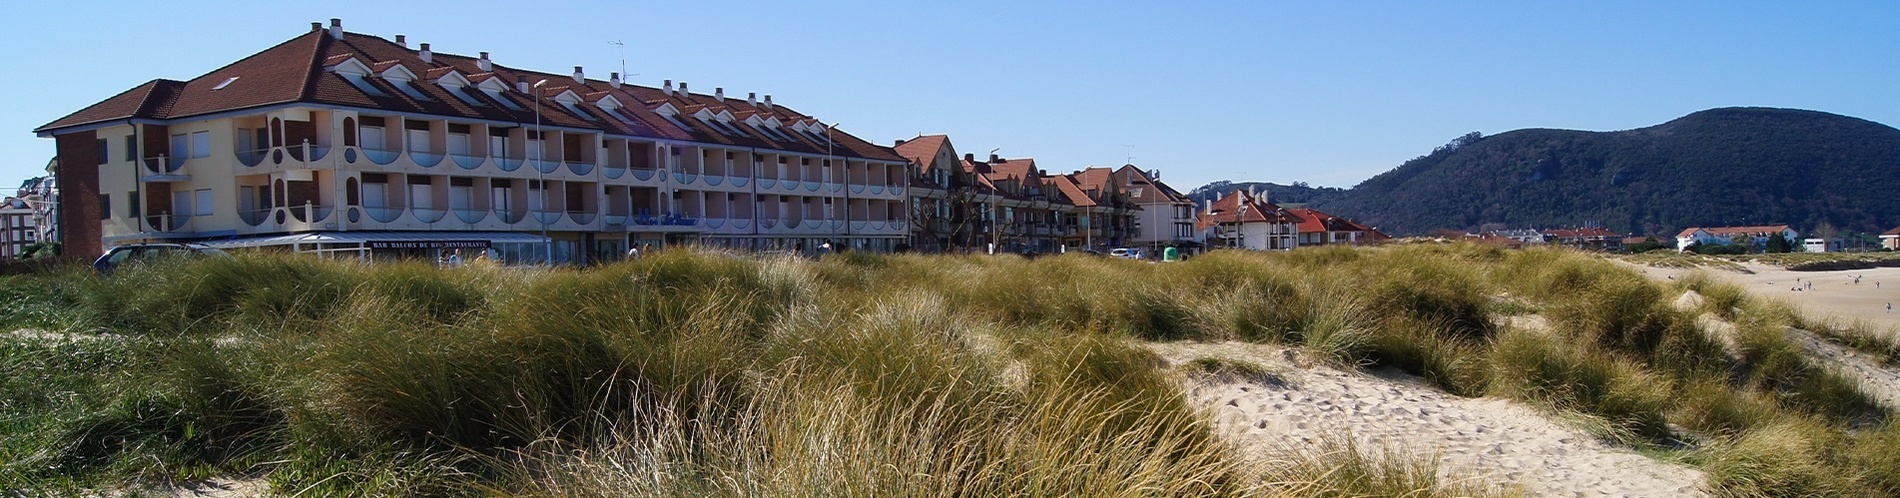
{"x": 1493, "y": 440}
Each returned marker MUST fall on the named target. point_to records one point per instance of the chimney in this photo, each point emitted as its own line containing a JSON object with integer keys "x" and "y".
{"x": 484, "y": 63}
{"x": 521, "y": 84}
{"x": 579, "y": 77}
{"x": 1210, "y": 206}
{"x": 995, "y": 159}
{"x": 683, "y": 92}
{"x": 336, "y": 28}
{"x": 427, "y": 56}
{"x": 316, "y": 25}
{"x": 613, "y": 79}
{"x": 667, "y": 87}
{"x": 900, "y": 141}
{"x": 402, "y": 40}
{"x": 969, "y": 157}
{"x": 752, "y": 98}
{"x": 768, "y": 101}
{"x": 719, "y": 93}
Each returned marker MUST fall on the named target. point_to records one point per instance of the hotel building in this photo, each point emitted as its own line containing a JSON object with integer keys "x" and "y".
{"x": 343, "y": 142}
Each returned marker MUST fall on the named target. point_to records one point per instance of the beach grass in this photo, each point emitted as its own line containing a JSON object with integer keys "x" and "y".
{"x": 707, "y": 373}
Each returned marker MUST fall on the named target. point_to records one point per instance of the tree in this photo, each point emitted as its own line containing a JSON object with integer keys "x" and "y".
{"x": 1779, "y": 243}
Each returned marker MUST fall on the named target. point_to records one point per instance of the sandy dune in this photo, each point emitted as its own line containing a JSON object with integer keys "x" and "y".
{"x": 1493, "y": 440}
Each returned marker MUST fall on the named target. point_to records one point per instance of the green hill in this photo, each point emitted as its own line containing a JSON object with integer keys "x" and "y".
{"x": 1730, "y": 166}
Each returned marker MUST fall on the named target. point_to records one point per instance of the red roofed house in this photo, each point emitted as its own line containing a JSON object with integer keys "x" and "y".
{"x": 1756, "y": 235}
{"x": 335, "y": 141}
{"x": 1318, "y": 228}
{"x": 1890, "y": 240}
{"x": 1022, "y": 210}
{"x": 1241, "y": 220}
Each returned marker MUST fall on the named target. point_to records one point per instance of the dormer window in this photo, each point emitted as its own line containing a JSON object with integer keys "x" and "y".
{"x": 225, "y": 83}
{"x": 357, "y": 74}
{"x": 494, "y": 88}
{"x": 672, "y": 116}
{"x": 401, "y": 78}
{"x": 458, "y": 86}
{"x": 571, "y": 101}
{"x": 612, "y": 106}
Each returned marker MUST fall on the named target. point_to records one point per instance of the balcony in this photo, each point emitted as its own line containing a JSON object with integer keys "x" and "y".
{"x": 544, "y": 166}
{"x": 306, "y": 152}
{"x": 311, "y": 213}
{"x": 427, "y": 215}
{"x": 252, "y": 158}
{"x": 467, "y": 161}
{"x": 382, "y": 157}
{"x": 549, "y": 217}
{"x": 511, "y": 217}
{"x": 168, "y": 222}
{"x": 165, "y": 169}
{"x": 643, "y": 174}
{"x": 615, "y": 220}
{"x": 581, "y": 168}
{"x": 254, "y": 217}
{"x": 468, "y": 215}
{"x": 425, "y": 159}
{"x": 613, "y": 172}
{"x": 582, "y": 217}
{"x": 382, "y": 214}
{"x": 508, "y": 163}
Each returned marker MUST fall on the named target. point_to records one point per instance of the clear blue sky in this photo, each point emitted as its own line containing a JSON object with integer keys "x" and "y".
{"x": 1328, "y": 93}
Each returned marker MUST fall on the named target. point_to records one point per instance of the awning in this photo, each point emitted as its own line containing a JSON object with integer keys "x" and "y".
{"x": 420, "y": 240}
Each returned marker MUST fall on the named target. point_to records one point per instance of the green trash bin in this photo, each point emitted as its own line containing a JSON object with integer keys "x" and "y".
{"x": 1170, "y": 254}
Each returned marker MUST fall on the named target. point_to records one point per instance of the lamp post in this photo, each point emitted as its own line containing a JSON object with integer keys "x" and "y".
{"x": 846, "y": 191}
{"x": 547, "y": 243}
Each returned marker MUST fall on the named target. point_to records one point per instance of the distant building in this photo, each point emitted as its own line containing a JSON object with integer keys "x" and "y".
{"x": 1890, "y": 240}
{"x": 1317, "y": 228}
{"x": 1756, "y": 236}
{"x": 1523, "y": 236}
{"x": 1820, "y": 245}
{"x": 18, "y": 229}
{"x": 1588, "y": 238}
{"x": 1242, "y": 221}
{"x": 1166, "y": 218}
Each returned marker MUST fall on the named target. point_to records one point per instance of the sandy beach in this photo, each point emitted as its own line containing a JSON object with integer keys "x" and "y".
{"x": 1825, "y": 294}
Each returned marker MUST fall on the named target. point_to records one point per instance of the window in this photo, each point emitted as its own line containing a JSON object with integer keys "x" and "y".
{"x": 373, "y": 138}
{"x": 201, "y": 144}
{"x": 494, "y": 93}
{"x": 203, "y": 202}
{"x": 105, "y": 206}
{"x": 225, "y": 83}
{"x": 181, "y": 145}
{"x": 131, "y": 148}
{"x": 104, "y": 151}
{"x": 461, "y": 93}
{"x": 361, "y": 83}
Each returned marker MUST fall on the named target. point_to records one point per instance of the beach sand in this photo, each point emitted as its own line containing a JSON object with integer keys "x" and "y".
{"x": 1834, "y": 293}
{"x": 1489, "y": 440}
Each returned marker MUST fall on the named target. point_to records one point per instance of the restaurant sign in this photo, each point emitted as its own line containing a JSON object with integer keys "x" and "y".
{"x": 428, "y": 244}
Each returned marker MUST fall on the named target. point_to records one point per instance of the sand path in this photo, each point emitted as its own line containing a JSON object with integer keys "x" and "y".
{"x": 1493, "y": 440}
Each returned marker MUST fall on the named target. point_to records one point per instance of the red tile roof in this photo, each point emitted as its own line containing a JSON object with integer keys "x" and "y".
{"x": 298, "y": 71}
{"x": 1731, "y": 231}
{"x": 1228, "y": 210}
{"x": 1315, "y": 221}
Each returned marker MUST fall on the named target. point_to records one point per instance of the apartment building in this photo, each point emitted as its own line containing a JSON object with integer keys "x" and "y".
{"x": 343, "y": 142}
{"x": 1242, "y": 220}
{"x": 18, "y": 228}
{"x": 1108, "y": 217}
{"x": 1166, "y": 218}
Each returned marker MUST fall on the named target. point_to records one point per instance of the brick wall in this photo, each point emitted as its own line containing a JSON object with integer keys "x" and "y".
{"x": 79, "y": 209}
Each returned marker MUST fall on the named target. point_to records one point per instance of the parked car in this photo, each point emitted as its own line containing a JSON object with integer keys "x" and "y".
{"x": 1125, "y": 252}
{"x": 131, "y": 254}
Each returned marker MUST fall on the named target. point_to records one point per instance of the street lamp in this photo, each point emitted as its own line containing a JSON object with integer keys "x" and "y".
{"x": 846, "y": 191}
{"x": 540, "y": 175}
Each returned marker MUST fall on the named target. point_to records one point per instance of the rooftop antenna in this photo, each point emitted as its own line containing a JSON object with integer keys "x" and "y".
{"x": 1131, "y": 154}
{"x": 624, "y": 75}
